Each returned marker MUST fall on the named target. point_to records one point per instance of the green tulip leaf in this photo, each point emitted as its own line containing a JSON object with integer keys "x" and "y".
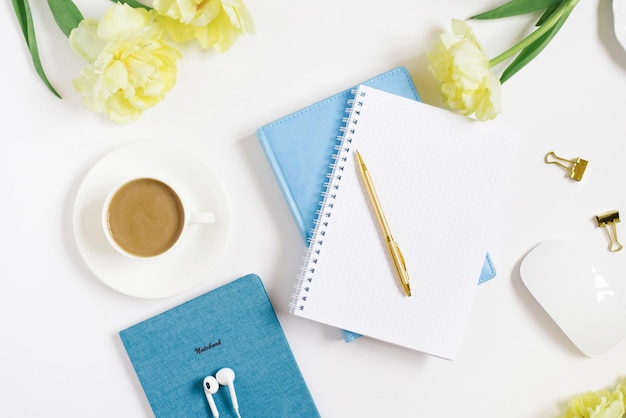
{"x": 25, "y": 19}
{"x": 532, "y": 50}
{"x": 546, "y": 15}
{"x": 66, "y": 14}
{"x": 133, "y": 3}
{"x": 517, "y": 7}
{"x": 20, "y": 12}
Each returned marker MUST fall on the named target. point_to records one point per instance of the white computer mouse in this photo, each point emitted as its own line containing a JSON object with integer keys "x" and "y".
{"x": 575, "y": 295}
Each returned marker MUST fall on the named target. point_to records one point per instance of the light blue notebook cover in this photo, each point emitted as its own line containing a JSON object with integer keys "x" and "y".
{"x": 300, "y": 147}
{"x": 232, "y": 326}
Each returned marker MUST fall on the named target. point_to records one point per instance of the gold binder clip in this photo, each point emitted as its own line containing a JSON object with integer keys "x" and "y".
{"x": 576, "y": 169}
{"x": 607, "y": 221}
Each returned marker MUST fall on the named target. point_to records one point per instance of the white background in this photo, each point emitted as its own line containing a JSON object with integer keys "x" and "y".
{"x": 60, "y": 355}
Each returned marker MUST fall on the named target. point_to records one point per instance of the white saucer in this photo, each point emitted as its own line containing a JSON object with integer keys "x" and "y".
{"x": 186, "y": 264}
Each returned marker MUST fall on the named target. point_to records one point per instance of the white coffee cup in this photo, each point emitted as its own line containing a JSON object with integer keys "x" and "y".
{"x": 145, "y": 217}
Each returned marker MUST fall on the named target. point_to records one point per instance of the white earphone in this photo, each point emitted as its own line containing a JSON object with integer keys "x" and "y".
{"x": 210, "y": 387}
{"x": 224, "y": 377}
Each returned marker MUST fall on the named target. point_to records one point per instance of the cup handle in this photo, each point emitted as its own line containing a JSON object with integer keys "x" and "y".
{"x": 202, "y": 218}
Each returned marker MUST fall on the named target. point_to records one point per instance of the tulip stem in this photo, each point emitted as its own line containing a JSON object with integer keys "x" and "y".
{"x": 566, "y": 6}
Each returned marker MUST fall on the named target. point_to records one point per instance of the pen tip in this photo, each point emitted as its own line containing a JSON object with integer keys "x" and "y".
{"x": 359, "y": 159}
{"x": 407, "y": 290}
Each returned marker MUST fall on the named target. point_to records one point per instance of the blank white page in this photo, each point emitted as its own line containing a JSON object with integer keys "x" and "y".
{"x": 440, "y": 178}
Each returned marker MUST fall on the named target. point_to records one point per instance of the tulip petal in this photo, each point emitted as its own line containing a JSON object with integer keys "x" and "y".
{"x": 130, "y": 70}
{"x": 85, "y": 42}
{"x": 214, "y": 23}
{"x": 468, "y": 85}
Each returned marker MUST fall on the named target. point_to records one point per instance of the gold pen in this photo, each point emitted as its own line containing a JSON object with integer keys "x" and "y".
{"x": 392, "y": 246}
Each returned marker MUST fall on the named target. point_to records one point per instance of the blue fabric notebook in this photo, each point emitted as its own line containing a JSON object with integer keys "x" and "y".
{"x": 232, "y": 326}
{"x": 301, "y": 145}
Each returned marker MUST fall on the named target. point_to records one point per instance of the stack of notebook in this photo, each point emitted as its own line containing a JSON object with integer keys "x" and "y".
{"x": 439, "y": 179}
{"x": 308, "y": 138}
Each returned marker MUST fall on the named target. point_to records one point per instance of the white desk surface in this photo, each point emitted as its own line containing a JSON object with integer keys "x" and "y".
{"x": 61, "y": 356}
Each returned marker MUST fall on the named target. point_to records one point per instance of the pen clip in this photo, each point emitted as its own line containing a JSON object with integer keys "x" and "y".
{"x": 400, "y": 254}
{"x": 400, "y": 265}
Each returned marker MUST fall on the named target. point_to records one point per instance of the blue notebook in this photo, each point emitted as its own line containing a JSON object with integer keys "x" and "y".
{"x": 301, "y": 145}
{"x": 232, "y": 326}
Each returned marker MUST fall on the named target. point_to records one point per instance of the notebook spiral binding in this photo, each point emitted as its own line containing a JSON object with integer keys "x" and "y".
{"x": 306, "y": 276}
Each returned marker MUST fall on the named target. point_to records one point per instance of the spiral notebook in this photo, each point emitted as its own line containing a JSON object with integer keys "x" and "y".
{"x": 439, "y": 177}
{"x": 307, "y": 138}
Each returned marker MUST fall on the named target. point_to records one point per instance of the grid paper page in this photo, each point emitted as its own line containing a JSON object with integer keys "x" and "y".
{"x": 439, "y": 177}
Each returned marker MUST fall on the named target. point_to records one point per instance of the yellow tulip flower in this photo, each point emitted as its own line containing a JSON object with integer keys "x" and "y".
{"x": 599, "y": 404}
{"x": 468, "y": 84}
{"x": 213, "y": 23}
{"x": 130, "y": 66}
